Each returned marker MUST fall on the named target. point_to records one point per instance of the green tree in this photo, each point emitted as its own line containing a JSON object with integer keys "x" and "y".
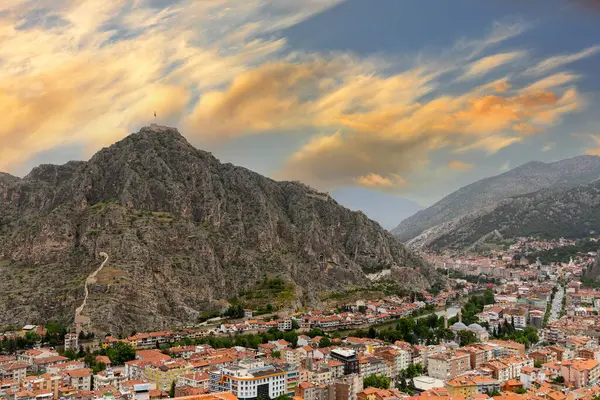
{"x": 377, "y": 381}
{"x": 372, "y": 333}
{"x": 120, "y": 353}
{"x": 466, "y": 337}
{"x": 172, "y": 390}
{"x": 98, "y": 367}
{"x": 70, "y": 354}
{"x": 295, "y": 325}
{"x": 324, "y": 342}
{"x": 520, "y": 390}
{"x": 316, "y": 332}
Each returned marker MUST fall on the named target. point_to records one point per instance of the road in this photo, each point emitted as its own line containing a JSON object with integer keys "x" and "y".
{"x": 80, "y": 319}
{"x": 556, "y": 307}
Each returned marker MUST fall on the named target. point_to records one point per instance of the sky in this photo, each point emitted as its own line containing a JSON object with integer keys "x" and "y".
{"x": 402, "y": 99}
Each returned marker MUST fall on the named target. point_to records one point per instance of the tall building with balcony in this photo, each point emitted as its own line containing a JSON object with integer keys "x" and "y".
{"x": 252, "y": 379}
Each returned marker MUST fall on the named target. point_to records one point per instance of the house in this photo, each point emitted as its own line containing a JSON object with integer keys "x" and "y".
{"x": 448, "y": 365}
{"x": 531, "y": 375}
{"x": 46, "y": 383}
{"x": 292, "y": 356}
{"x": 284, "y": 324}
{"x": 543, "y": 356}
{"x": 43, "y": 363}
{"x": 104, "y": 360}
{"x": 303, "y": 340}
{"x": 579, "y": 373}
{"x": 71, "y": 341}
{"x": 69, "y": 365}
{"x": 29, "y": 356}
{"x": 198, "y": 380}
{"x": 108, "y": 377}
{"x": 80, "y": 379}
{"x": 16, "y": 371}
{"x": 280, "y": 344}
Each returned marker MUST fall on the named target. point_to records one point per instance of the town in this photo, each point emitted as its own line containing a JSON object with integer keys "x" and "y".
{"x": 508, "y": 328}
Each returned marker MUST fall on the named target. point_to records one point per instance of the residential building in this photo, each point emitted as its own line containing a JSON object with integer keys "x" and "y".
{"x": 348, "y": 358}
{"x": 47, "y": 383}
{"x": 16, "y": 371}
{"x": 448, "y": 365}
{"x": 79, "y": 379}
{"x": 198, "y": 380}
{"x": 579, "y": 373}
{"x": 292, "y": 356}
{"x": 108, "y": 377}
{"x": 71, "y": 341}
{"x": 249, "y": 380}
{"x": 163, "y": 375}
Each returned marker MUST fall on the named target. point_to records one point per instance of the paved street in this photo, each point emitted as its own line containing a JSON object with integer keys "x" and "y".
{"x": 556, "y": 304}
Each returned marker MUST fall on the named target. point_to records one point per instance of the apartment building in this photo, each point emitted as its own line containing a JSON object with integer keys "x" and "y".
{"x": 249, "y": 379}
{"x": 448, "y": 365}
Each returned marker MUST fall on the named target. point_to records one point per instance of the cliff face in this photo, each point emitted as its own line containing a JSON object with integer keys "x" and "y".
{"x": 183, "y": 232}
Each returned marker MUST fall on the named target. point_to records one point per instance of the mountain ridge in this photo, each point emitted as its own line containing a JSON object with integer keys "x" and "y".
{"x": 552, "y": 213}
{"x": 527, "y": 178}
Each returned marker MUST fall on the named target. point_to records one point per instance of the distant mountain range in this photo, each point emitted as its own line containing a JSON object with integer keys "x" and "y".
{"x": 548, "y": 199}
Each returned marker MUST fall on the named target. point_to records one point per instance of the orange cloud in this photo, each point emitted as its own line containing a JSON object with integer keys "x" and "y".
{"x": 383, "y": 127}
{"x": 81, "y": 83}
{"x": 375, "y": 125}
{"x": 375, "y": 181}
{"x": 489, "y": 63}
{"x": 460, "y": 165}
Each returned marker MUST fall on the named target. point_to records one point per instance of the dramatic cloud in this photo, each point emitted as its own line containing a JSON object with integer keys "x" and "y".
{"x": 88, "y": 72}
{"x": 383, "y": 125}
{"x": 561, "y": 60}
{"x": 460, "y": 165}
{"x": 487, "y": 64}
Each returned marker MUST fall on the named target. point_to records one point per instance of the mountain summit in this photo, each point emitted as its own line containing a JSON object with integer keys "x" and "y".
{"x": 184, "y": 233}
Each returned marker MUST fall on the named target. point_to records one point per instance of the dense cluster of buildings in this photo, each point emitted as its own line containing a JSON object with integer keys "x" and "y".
{"x": 563, "y": 364}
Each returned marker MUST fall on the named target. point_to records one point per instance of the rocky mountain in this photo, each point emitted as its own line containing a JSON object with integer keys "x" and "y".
{"x": 554, "y": 213}
{"x": 184, "y": 233}
{"x": 529, "y": 178}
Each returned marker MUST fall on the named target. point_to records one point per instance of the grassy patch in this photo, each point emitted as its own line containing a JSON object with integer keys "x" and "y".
{"x": 276, "y": 292}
